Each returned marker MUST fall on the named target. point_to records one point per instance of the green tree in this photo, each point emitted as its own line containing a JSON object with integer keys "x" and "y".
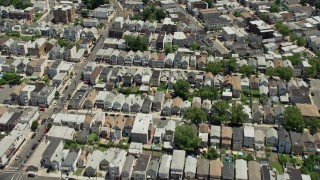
{"x": 181, "y": 88}
{"x": 249, "y": 157}
{"x": 62, "y": 42}
{"x": 303, "y": 2}
{"x": 57, "y": 94}
{"x": 170, "y": 48}
{"x": 19, "y": 4}
{"x": 160, "y": 14}
{"x": 282, "y": 28}
{"x": 263, "y": 16}
{"x": 210, "y": 3}
{"x": 311, "y": 72}
{"x": 274, "y": 8}
{"x": 211, "y": 154}
{"x": 313, "y": 125}
{"x": 317, "y": 5}
{"x": 49, "y": 125}
{"x": 92, "y": 137}
{"x": 298, "y": 39}
{"x": 195, "y": 115}
{"x": 137, "y": 43}
{"x": 2, "y": 82}
{"x": 247, "y": 70}
{"x": 285, "y": 73}
{"x": 308, "y": 166}
{"x": 186, "y": 138}
{"x": 293, "y": 119}
{"x": 284, "y": 158}
{"x": 213, "y": 67}
{"x": 145, "y": 2}
{"x": 206, "y": 92}
{"x": 34, "y": 125}
{"x": 229, "y": 65}
{"x": 195, "y": 46}
{"x": 12, "y": 78}
{"x": 92, "y": 4}
{"x": 69, "y": 96}
{"x": 315, "y": 63}
{"x": 295, "y": 59}
{"x": 237, "y": 114}
{"x": 219, "y": 112}
{"x": 237, "y": 14}
{"x": 136, "y": 17}
{"x": 85, "y": 13}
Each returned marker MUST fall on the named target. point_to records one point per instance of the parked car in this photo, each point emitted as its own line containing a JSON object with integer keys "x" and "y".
{"x": 34, "y": 146}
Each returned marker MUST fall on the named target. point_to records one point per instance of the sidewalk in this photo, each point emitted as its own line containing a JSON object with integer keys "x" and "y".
{"x": 42, "y": 172}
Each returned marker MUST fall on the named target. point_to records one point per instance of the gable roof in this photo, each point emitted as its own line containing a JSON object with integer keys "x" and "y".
{"x": 215, "y": 168}
{"x": 128, "y": 163}
{"x": 254, "y": 170}
{"x": 191, "y": 164}
{"x": 50, "y": 150}
{"x": 72, "y": 156}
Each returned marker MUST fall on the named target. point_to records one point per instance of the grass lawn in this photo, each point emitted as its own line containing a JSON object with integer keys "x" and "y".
{"x": 277, "y": 166}
{"x": 38, "y": 16}
{"x": 79, "y": 172}
{"x": 80, "y": 145}
{"x": 102, "y": 148}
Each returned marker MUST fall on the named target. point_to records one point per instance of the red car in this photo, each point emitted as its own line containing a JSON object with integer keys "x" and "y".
{"x": 42, "y": 109}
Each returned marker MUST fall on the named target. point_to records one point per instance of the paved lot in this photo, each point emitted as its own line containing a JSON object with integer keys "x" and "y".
{"x": 5, "y": 93}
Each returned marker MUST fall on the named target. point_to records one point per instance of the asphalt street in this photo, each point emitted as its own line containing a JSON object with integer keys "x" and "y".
{"x": 22, "y": 157}
{"x": 19, "y": 176}
{"x": 61, "y": 102}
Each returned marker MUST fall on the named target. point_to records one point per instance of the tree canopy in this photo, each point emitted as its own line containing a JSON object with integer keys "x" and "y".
{"x": 195, "y": 46}
{"x": 274, "y": 8}
{"x": 213, "y": 67}
{"x": 282, "y": 28}
{"x": 309, "y": 164}
{"x": 284, "y": 73}
{"x": 247, "y": 70}
{"x": 19, "y": 4}
{"x": 186, "y": 138}
{"x": 34, "y": 125}
{"x": 170, "y": 48}
{"x": 92, "y": 4}
{"x": 237, "y": 114}
{"x": 210, "y": 3}
{"x": 295, "y": 59}
{"x": 293, "y": 119}
{"x": 206, "y": 92}
{"x": 11, "y": 78}
{"x": 313, "y": 125}
{"x": 211, "y": 154}
{"x": 137, "y": 43}
{"x": 220, "y": 112}
{"x": 150, "y": 13}
{"x": 195, "y": 115}
{"x": 315, "y": 67}
{"x": 229, "y": 65}
{"x": 226, "y": 65}
{"x": 181, "y": 88}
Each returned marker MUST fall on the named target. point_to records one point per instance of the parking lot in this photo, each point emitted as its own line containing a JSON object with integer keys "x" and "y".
{"x": 5, "y": 93}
